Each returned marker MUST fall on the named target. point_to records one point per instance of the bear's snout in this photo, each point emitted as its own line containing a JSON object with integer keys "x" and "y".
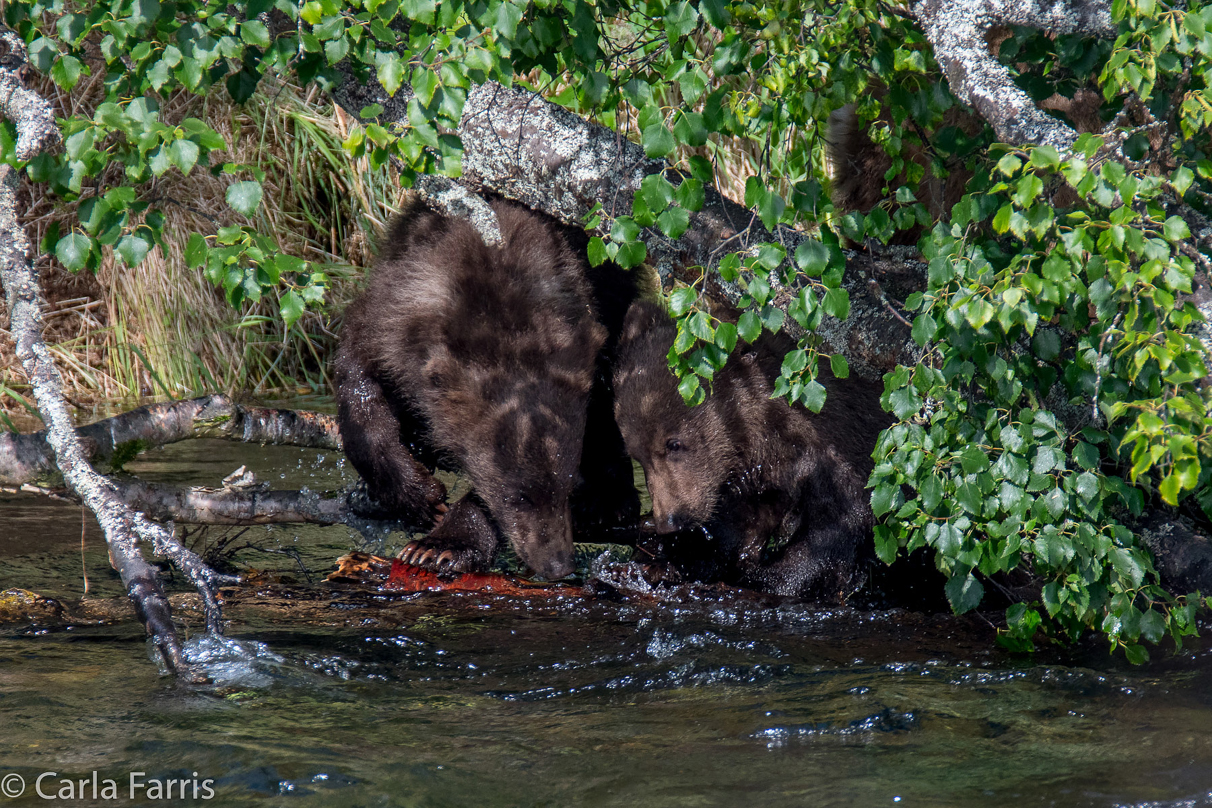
{"x": 546, "y": 546}
{"x": 670, "y": 523}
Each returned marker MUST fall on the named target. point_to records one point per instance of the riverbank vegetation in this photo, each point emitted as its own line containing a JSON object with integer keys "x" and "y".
{"x": 1044, "y": 348}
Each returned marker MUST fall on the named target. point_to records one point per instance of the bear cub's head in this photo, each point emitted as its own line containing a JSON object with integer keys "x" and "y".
{"x": 687, "y": 452}
{"x": 519, "y": 435}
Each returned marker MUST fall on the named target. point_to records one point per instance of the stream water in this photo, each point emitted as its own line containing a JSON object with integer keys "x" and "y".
{"x": 474, "y": 700}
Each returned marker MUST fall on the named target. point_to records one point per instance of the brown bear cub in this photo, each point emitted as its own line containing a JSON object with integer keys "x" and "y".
{"x": 746, "y": 488}
{"x": 489, "y": 361}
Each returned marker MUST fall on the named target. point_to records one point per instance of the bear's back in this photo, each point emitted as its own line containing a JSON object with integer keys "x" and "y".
{"x": 438, "y": 288}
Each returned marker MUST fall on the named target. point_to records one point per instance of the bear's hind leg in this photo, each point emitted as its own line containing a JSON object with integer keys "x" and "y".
{"x": 465, "y": 541}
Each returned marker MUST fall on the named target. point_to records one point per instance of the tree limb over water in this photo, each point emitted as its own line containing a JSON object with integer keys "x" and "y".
{"x": 124, "y": 528}
{"x": 26, "y": 457}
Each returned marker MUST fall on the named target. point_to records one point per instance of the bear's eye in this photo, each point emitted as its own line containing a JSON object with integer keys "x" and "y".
{"x": 521, "y": 502}
{"x": 674, "y": 445}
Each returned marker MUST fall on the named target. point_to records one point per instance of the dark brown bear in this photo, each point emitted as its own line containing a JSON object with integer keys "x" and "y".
{"x": 743, "y": 471}
{"x": 484, "y": 360}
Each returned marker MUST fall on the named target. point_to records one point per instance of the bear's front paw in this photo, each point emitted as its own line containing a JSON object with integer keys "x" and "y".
{"x": 463, "y": 541}
{"x": 434, "y": 495}
{"x": 443, "y": 560}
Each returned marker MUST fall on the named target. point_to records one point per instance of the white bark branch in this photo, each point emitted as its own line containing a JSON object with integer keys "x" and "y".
{"x": 520, "y": 146}
{"x": 26, "y": 457}
{"x": 957, "y": 29}
{"x": 123, "y": 527}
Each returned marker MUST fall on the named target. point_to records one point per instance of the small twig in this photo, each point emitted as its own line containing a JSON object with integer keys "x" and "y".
{"x": 878, "y": 291}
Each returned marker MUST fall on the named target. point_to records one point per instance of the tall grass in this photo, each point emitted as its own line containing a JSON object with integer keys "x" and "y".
{"x": 161, "y": 329}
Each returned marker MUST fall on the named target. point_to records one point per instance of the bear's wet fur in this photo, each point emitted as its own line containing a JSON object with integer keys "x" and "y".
{"x": 746, "y": 488}
{"x": 489, "y": 361}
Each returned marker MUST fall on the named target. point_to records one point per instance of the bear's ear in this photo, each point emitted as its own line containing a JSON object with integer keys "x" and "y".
{"x": 749, "y": 358}
{"x": 642, "y": 317}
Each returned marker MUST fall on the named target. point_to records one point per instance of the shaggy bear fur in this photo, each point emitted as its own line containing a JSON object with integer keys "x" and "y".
{"x": 487, "y": 360}
{"x": 743, "y": 471}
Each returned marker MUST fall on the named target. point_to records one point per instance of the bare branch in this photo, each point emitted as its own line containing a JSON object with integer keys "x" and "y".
{"x": 123, "y": 528}
{"x": 232, "y": 506}
{"x": 957, "y": 30}
{"x": 35, "y": 121}
{"x": 24, "y": 458}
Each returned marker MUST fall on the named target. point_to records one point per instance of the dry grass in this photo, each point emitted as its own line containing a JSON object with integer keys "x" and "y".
{"x": 161, "y": 328}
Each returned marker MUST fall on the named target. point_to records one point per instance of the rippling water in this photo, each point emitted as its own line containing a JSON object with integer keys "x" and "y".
{"x": 466, "y": 700}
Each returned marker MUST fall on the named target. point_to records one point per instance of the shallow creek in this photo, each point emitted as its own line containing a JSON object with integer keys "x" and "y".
{"x": 475, "y": 700}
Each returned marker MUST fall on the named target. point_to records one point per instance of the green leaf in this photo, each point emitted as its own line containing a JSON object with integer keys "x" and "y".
{"x": 254, "y": 32}
{"x": 291, "y": 307}
{"x": 1126, "y": 566}
{"x": 424, "y": 84}
{"x": 1056, "y": 502}
{"x": 674, "y": 222}
{"x": 71, "y": 27}
{"x": 690, "y": 130}
{"x": 596, "y": 251}
{"x": 72, "y": 251}
{"x": 725, "y": 337}
{"x": 1047, "y": 344}
{"x": 749, "y": 327}
{"x": 1170, "y": 488}
{"x": 1087, "y": 486}
{"x": 132, "y": 249}
{"x": 770, "y": 208}
{"x": 1001, "y": 221}
{"x": 691, "y": 392}
{"x": 423, "y": 11}
{"x": 1027, "y": 190}
{"x": 1176, "y": 229}
{"x": 813, "y": 396}
{"x": 508, "y": 17}
{"x": 1153, "y": 626}
{"x": 630, "y": 255}
{"x": 196, "y": 251}
{"x": 66, "y": 71}
{"x": 905, "y": 402}
{"x": 682, "y": 300}
{"x": 883, "y": 498}
{"x": 680, "y": 20}
{"x": 716, "y": 12}
{"x": 657, "y": 140}
{"x": 839, "y": 367}
{"x": 1136, "y": 654}
{"x": 700, "y": 325}
{"x": 690, "y": 194}
{"x": 657, "y": 192}
{"x": 1182, "y": 179}
{"x": 623, "y": 229}
{"x": 244, "y": 197}
{"x": 924, "y": 329}
{"x": 1009, "y": 165}
{"x": 812, "y": 257}
{"x": 886, "y": 545}
{"x": 336, "y": 49}
{"x": 390, "y": 72}
{"x": 964, "y": 593}
{"x": 837, "y": 303}
{"x": 1045, "y": 157}
{"x": 730, "y": 267}
{"x": 770, "y": 256}
{"x": 183, "y": 153}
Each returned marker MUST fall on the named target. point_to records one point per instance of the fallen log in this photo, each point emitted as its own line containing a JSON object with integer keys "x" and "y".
{"x": 26, "y": 457}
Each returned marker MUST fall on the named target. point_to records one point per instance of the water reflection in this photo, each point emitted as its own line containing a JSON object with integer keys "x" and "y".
{"x": 460, "y": 699}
